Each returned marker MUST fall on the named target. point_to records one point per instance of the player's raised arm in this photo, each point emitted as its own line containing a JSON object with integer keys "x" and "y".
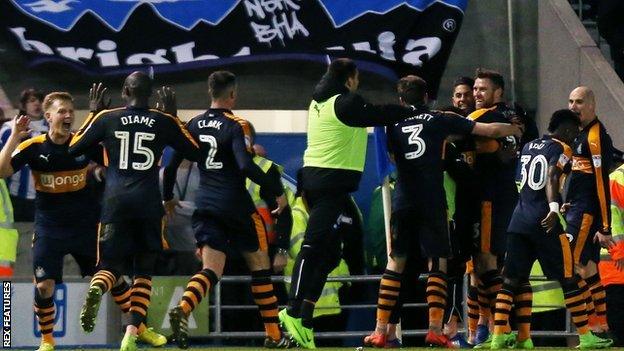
{"x": 456, "y": 124}
{"x": 98, "y": 98}
{"x": 354, "y": 111}
{"x": 182, "y": 141}
{"x": 552, "y": 194}
{"x": 497, "y": 130}
{"x": 338, "y": 87}
{"x": 170, "y": 173}
{"x": 19, "y": 131}
{"x": 179, "y": 137}
{"x": 167, "y": 101}
{"x": 89, "y": 135}
{"x": 97, "y": 106}
{"x": 563, "y": 128}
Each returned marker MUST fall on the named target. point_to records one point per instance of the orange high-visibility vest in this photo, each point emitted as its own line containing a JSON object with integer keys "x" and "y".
{"x": 608, "y": 272}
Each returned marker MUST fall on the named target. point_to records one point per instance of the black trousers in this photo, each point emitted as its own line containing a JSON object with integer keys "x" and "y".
{"x": 615, "y": 312}
{"x": 321, "y": 249}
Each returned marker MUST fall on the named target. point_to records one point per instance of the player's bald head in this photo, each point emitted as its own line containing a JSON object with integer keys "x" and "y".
{"x": 583, "y": 102}
{"x": 584, "y": 92}
{"x": 138, "y": 85}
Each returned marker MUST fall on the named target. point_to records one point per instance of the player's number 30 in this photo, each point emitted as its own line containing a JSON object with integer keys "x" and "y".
{"x": 529, "y": 177}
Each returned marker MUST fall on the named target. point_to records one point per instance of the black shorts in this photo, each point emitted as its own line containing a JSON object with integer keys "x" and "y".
{"x": 553, "y": 251}
{"x": 118, "y": 241}
{"x": 495, "y": 217}
{"x": 582, "y": 226}
{"x": 246, "y": 233}
{"x": 467, "y": 219}
{"x": 49, "y": 252}
{"x": 462, "y": 239}
{"x": 426, "y": 235}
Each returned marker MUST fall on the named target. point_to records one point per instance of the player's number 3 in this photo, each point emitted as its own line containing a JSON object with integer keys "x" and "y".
{"x": 413, "y": 139}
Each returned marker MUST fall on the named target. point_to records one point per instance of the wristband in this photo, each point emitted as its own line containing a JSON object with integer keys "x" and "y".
{"x": 282, "y": 251}
{"x": 554, "y": 207}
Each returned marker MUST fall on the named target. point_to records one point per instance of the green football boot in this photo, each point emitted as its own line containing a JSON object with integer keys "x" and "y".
{"x": 302, "y": 335}
{"x": 591, "y": 341}
{"x": 128, "y": 343}
{"x": 90, "y": 309}
{"x": 524, "y": 344}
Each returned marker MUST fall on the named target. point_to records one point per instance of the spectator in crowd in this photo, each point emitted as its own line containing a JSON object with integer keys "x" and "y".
{"x": 3, "y": 117}
{"x": 611, "y": 27}
{"x": 179, "y": 258}
{"x": 8, "y": 235}
{"x": 20, "y": 184}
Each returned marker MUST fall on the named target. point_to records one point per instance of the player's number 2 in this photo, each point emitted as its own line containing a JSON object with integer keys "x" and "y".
{"x": 212, "y": 152}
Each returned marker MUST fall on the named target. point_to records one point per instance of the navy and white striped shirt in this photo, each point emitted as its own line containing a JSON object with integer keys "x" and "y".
{"x": 21, "y": 184}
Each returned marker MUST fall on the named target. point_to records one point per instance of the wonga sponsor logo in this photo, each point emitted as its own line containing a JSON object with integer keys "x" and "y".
{"x": 60, "y": 182}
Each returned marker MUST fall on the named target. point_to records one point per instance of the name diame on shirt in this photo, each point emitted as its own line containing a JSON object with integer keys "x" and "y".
{"x": 125, "y": 120}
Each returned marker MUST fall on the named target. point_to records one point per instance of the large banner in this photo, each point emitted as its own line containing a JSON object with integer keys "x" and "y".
{"x": 68, "y": 297}
{"x": 110, "y": 37}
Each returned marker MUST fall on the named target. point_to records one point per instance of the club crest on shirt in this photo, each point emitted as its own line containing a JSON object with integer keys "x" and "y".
{"x": 597, "y": 160}
{"x": 39, "y": 272}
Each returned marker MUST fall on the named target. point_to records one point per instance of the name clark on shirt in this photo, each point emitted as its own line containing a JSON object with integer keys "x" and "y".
{"x": 209, "y": 124}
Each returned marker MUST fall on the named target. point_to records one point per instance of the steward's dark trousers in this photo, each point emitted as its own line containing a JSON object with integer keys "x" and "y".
{"x": 615, "y": 312}
{"x": 321, "y": 249}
